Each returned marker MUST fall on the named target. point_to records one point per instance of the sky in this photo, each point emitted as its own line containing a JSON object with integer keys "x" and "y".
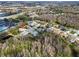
{"x": 39, "y": 0}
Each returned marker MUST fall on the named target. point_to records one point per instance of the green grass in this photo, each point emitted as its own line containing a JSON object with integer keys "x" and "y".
{"x": 14, "y": 31}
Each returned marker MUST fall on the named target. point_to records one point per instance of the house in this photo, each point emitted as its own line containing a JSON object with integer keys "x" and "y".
{"x": 22, "y": 29}
{"x": 33, "y": 14}
{"x": 32, "y": 23}
{"x": 21, "y": 24}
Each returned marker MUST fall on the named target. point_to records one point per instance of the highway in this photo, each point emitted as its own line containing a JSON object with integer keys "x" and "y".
{"x": 13, "y": 16}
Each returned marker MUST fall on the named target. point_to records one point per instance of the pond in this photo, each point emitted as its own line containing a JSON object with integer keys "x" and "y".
{"x": 5, "y": 25}
{"x": 2, "y": 25}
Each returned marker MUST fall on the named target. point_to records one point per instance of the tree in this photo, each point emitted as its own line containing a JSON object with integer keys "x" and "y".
{"x": 23, "y": 17}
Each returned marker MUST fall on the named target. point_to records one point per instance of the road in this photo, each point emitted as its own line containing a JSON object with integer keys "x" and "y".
{"x": 13, "y": 16}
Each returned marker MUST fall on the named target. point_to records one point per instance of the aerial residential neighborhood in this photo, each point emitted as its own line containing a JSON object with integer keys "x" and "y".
{"x": 39, "y": 29}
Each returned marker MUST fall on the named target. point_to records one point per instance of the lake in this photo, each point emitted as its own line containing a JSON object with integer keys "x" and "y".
{"x": 4, "y": 25}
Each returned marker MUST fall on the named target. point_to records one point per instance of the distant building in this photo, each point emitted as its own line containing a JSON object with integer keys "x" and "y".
{"x": 32, "y": 15}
